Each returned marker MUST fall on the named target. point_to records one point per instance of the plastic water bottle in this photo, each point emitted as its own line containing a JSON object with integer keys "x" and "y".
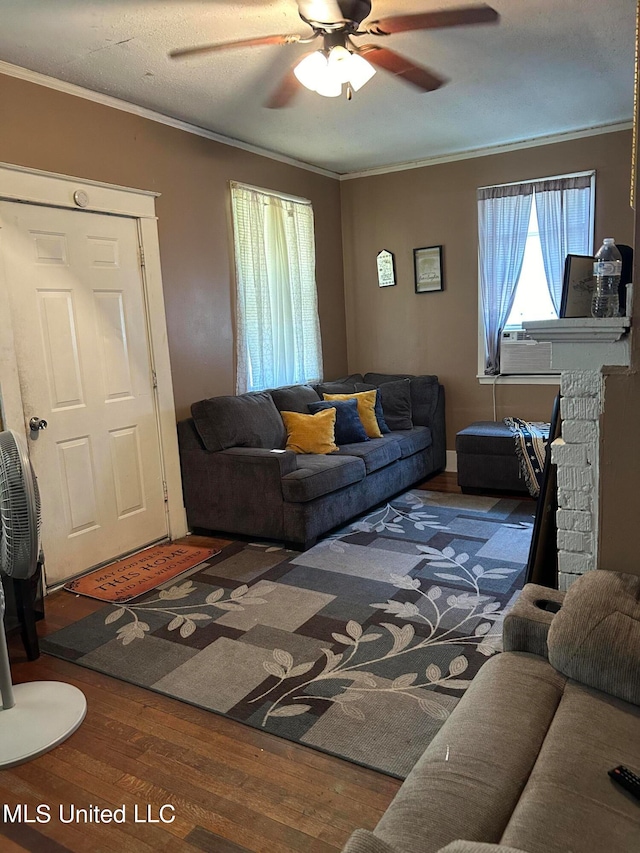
{"x": 607, "y": 270}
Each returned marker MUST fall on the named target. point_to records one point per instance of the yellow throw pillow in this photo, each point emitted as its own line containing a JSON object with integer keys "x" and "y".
{"x": 366, "y": 409}
{"x": 311, "y": 433}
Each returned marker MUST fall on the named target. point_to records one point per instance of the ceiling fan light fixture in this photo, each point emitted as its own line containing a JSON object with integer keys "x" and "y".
{"x": 315, "y": 74}
{"x": 339, "y": 64}
{"x": 360, "y": 71}
{"x": 327, "y": 73}
{"x": 311, "y": 70}
{"x": 329, "y": 87}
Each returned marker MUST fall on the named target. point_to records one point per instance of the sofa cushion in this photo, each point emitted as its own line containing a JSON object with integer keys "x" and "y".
{"x": 569, "y": 802}
{"x": 294, "y": 398}
{"x": 396, "y": 402}
{"x": 595, "y": 638}
{"x": 320, "y": 475}
{"x": 375, "y": 453}
{"x": 469, "y": 779}
{"x": 477, "y": 847}
{"x": 425, "y": 391}
{"x": 311, "y": 433}
{"x": 249, "y": 420}
{"x": 412, "y": 441}
{"x": 339, "y": 386}
{"x": 366, "y": 409}
{"x": 349, "y": 427}
{"x": 363, "y": 841}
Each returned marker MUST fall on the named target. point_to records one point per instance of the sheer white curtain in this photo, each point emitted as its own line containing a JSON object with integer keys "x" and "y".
{"x": 503, "y": 222}
{"x": 563, "y": 206}
{"x": 277, "y": 327}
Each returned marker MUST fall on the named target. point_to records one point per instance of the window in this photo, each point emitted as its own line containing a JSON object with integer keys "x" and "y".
{"x": 277, "y": 327}
{"x": 525, "y": 232}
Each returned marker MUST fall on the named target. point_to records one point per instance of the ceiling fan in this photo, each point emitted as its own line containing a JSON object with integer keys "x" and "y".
{"x": 340, "y": 61}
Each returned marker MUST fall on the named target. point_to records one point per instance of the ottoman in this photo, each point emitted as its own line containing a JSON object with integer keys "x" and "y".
{"x": 487, "y": 459}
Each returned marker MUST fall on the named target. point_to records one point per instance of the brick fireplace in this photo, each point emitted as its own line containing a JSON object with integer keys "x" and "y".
{"x": 580, "y": 348}
{"x": 576, "y": 455}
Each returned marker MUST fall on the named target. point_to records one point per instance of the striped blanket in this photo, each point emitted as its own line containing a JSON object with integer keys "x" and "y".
{"x": 531, "y": 441}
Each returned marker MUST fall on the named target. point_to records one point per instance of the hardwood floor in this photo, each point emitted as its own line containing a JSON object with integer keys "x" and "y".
{"x": 234, "y": 789}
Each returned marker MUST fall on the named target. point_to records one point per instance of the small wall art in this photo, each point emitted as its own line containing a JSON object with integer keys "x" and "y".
{"x": 577, "y": 286}
{"x": 386, "y": 268}
{"x": 427, "y": 264}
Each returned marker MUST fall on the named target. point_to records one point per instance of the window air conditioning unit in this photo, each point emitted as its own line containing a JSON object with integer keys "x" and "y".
{"x": 519, "y": 354}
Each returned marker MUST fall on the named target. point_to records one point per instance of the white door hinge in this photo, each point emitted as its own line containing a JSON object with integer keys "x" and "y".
{"x": 141, "y": 250}
{"x": 154, "y": 378}
{"x": 165, "y": 491}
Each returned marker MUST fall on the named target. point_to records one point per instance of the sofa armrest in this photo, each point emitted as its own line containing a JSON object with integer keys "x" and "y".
{"x": 280, "y": 462}
{"x": 477, "y": 847}
{"x": 238, "y": 490}
{"x": 526, "y": 625}
{"x": 438, "y": 430}
{"x": 363, "y": 841}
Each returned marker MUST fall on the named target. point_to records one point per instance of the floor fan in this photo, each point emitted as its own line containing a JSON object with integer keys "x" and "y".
{"x": 36, "y": 716}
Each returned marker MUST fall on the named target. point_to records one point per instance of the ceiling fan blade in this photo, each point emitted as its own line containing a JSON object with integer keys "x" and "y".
{"x": 402, "y": 67}
{"x": 285, "y": 93}
{"x": 183, "y": 52}
{"x": 462, "y": 16}
{"x": 320, "y": 11}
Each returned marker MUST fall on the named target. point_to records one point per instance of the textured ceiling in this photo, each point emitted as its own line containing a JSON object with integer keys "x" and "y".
{"x": 550, "y": 66}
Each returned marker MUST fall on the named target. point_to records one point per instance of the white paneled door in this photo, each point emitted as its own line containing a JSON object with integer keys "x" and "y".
{"x": 80, "y": 332}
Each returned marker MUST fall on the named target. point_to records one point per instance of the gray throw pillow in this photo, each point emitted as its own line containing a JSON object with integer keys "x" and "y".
{"x": 346, "y": 385}
{"x": 294, "y": 398}
{"x": 396, "y": 403}
{"x": 249, "y": 420}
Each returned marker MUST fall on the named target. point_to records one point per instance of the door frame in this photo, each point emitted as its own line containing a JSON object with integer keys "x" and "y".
{"x": 21, "y": 184}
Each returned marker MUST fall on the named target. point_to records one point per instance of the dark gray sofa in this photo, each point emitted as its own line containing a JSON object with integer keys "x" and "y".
{"x": 237, "y": 477}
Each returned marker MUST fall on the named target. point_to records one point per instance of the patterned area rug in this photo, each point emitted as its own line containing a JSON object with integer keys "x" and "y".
{"x": 360, "y": 647}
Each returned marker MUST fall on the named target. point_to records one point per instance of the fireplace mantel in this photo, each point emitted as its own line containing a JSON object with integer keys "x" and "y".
{"x": 580, "y": 348}
{"x": 584, "y": 343}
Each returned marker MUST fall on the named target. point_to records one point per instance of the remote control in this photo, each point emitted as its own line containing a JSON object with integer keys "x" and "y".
{"x": 623, "y": 776}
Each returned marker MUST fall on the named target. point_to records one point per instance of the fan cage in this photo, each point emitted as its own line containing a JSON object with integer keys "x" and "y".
{"x": 19, "y": 509}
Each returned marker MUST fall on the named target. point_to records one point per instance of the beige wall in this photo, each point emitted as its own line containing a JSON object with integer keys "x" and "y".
{"x": 619, "y": 534}
{"x": 393, "y": 329}
{"x": 389, "y": 329}
{"x": 46, "y": 129}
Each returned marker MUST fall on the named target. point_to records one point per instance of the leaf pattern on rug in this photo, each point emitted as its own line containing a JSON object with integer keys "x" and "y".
{"x": 349, "y": 666}
{"x": 238, "y": 599}
{"x": 391, "y": 518}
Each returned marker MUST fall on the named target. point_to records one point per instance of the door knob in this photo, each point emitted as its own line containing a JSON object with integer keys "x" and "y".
{"x": 37, "y": 423}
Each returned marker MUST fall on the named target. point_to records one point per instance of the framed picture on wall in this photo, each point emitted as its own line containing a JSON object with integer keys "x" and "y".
{"x": 427, "y": 265}
{"x": 577, "y": 286}
{"x": 386, "y": 268}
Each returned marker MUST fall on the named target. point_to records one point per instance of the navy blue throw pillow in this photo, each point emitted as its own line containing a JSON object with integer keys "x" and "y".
{"x": 349, "y": 428}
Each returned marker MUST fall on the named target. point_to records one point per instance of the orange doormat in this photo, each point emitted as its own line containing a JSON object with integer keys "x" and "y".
{"x": 126, "y": 579}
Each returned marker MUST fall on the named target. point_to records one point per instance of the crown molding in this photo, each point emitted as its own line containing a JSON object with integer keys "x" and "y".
{"x": 470, "y": 154}
{"x": 39, "y": 79}
{"x": 11, "y": 70}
